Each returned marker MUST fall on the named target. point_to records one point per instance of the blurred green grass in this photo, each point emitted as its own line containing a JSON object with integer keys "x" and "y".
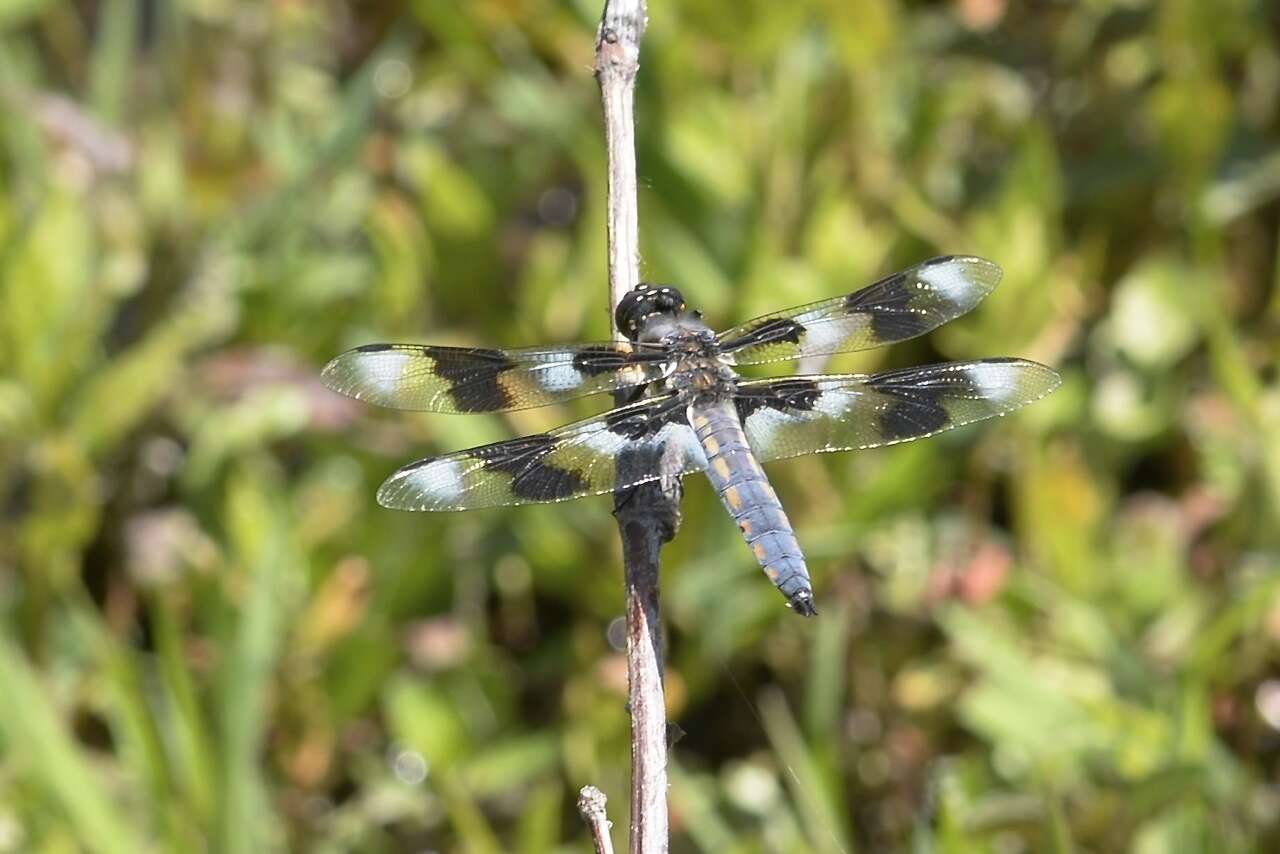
{"x": 1057, "y": 632}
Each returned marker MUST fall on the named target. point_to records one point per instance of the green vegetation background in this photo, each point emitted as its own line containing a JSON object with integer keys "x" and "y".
{"x": 1056, "y": 632}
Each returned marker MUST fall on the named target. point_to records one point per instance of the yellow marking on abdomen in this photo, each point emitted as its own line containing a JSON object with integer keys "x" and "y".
{"x": 700, "y": 421}
{"x": 745, "y": 527}
{"x": 721, "y": 467}
{"x": 760, "y": 553}
{"x": 732, "y": 498}
{"x": 711, "y": 446}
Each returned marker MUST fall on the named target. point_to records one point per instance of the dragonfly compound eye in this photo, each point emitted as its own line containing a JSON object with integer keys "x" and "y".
{"x": 643, "y": 303}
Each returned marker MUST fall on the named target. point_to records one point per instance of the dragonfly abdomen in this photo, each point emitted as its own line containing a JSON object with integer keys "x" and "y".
{"x": 746, "y": 493}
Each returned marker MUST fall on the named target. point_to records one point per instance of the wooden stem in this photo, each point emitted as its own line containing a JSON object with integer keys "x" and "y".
{"x": 648, "y": 515}
{"x": 591, "y": 804}
{"x": 617, "y": 61}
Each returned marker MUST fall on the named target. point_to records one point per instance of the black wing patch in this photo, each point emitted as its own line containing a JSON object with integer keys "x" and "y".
{"x": 478, "y": 379}
{"x": 630, "y": 445}
{"x": 812, "y": 415}
{"x": 901, "y": 306}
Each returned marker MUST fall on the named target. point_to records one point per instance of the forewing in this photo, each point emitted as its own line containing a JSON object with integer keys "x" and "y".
{"x": 812, "y": 415}
{"x": 631, "y": 445}
{"x": 896, "y": 308}
{"x": 477, "y": 379}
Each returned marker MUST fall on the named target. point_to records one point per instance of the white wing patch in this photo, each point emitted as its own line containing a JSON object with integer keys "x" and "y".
{"x": 764, "y": 425}
{"x": 831, "y": 405}
{"x": 1003, "y": 382}
{"x": 383, "y": 372}
{"x": 954, "y": 279}
{"x": 440, "y": 481}
{"x": 823, "y": 333}
{"x": 682, "y": 446}
{"x": 560, "y": 378}
{"x": 602, "y": 440}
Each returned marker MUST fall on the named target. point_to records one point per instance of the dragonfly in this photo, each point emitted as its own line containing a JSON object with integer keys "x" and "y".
{"x": 688, "y": 409}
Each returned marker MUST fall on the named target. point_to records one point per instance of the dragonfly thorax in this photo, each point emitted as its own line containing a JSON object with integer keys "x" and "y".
{"x": 700, "y": 377}
{"x": 698, "y": 367}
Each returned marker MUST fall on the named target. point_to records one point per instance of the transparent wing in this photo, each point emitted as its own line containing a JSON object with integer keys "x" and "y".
{"x": 811, "y": 415}
{"x": 896, "y": 308}
{"x": 477, "y": 379}
{"x": 630, "y": 445}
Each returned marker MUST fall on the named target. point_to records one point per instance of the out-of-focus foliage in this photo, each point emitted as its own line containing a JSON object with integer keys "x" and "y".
{"x": 1056, "y": 632}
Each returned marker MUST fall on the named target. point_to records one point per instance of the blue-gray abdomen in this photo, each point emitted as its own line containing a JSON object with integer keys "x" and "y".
{"x": 747, "y": 495}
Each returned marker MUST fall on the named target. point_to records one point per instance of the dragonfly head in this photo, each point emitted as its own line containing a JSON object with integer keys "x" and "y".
{"x": 644, "y": 303}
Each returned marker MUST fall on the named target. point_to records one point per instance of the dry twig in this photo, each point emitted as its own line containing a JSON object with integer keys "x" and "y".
{"x": 648, "y": 515}
{"x": 591, "y": 804}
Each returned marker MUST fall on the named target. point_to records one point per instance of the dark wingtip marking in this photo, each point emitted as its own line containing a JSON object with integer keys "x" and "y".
{"x": 920, "y": 410}
{"x": 533, "y": 479}
{"x": 374, "y": 348}
{"x": 904, "y": 421}
{"x": 474, "y": 384}
{"x": 888, "y": 302}
{"x": 895, "y": 312}
{"x": 542, "y": 482}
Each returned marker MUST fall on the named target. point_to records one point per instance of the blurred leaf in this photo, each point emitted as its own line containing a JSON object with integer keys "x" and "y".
{"x": 539, "y": 827}
{"x": 113, "y": 55}
{"x": 812, "y": 792}
{"x": 1052, "y": 632}
{"x": 1153, "y": 318}
{"x": 189, "y": 740}
{"x": 32, "y": 730}
{"x": 425, "y": 720}
{"x": 14, "y": 12}
{"x": 259, "y": 530}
